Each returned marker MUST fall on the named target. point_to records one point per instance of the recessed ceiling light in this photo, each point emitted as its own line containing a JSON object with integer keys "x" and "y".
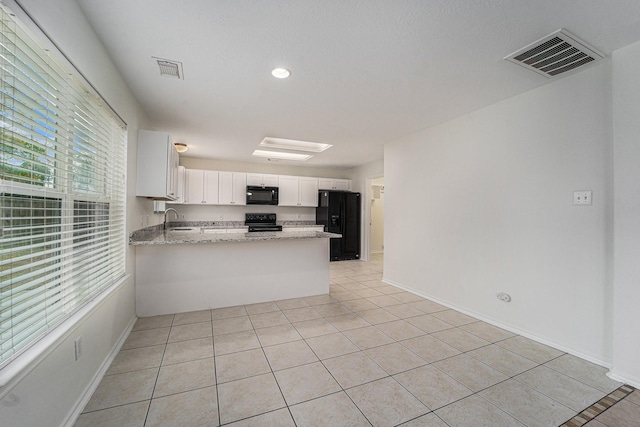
{"x": 292, "y": 144}
{"x": 280, "y": 73}
{"x": 282, "y": 156}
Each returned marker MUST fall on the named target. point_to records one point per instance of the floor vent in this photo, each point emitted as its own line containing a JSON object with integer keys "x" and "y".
{"x": 555, "y": 54}
{"x": 170, "y": 68}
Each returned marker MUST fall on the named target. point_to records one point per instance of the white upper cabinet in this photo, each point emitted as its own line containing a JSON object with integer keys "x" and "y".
{"x": 232, "y": 188}
{"x": 308, "y": 192}
{"x": 262, "y": 180}
{"x": 201, "y": 187}
{"x": 288, "y": 192}
{"x": 181, "y": 186}
{"x": 157, "y": 166}
{"x": 334, "y": 184}
{"x": 297, "y": 191}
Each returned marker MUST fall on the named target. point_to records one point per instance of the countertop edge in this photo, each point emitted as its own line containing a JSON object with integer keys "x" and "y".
{"x": 199, "y": 238}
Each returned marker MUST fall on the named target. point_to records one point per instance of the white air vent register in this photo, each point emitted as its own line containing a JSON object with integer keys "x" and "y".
{"x": 169, "y": 68}
{"x": 555, "y": 54}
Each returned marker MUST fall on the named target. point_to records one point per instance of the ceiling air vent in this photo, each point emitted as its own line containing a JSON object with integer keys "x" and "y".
{"x": 555, "y": 54}
{"x": 170, "y": 68}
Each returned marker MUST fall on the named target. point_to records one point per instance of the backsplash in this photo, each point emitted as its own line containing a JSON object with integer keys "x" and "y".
{"x": 236, "y": 213}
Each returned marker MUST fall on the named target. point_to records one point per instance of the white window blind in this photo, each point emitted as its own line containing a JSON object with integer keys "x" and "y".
{"x": 62, "y": 192}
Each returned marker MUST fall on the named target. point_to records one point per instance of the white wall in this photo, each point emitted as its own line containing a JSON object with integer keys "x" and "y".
{"x": 52, "y": 389}
{"x": 626, "y": 147}
{"x": 483, "y": 204}
{"x": 276, "y": 168}
{"x": 359, "y": 175}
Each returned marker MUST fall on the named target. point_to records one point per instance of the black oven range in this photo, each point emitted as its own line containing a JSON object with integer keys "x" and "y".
{"x": 261, "y": 222}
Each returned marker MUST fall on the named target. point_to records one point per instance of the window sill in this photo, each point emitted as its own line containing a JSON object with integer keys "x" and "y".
{"x": 19, "y": 368}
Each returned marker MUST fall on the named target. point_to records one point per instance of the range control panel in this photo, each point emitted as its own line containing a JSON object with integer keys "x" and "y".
{"x": 259, "y": 218}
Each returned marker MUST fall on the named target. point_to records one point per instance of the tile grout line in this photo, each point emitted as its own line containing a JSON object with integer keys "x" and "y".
{"x": 155, "y": 383}
{"x": 600, "y": 406}
{"x": 215, "y": 369}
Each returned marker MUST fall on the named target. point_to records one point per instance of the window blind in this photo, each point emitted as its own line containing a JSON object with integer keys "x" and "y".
{"x": 62, "y": 191}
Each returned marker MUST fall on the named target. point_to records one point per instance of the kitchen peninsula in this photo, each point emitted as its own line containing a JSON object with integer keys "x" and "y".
{"x": 184, "y": 269}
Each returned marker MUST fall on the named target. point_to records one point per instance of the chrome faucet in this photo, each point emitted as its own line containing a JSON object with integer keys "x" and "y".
{"x": 164, "y": 224}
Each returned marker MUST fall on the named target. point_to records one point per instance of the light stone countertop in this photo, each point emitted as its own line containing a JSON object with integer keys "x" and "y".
{"x": 157, "y": 236}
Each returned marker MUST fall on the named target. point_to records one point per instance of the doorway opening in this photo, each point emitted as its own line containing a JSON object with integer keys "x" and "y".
{"x": 376, "y": 219}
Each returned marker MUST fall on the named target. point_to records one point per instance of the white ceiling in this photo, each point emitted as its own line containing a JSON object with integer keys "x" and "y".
{"x": 364, "y": 72}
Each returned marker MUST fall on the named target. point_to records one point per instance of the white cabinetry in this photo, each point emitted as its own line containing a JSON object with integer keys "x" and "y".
{"x": 201, "y": 187}
{"x": 262, "y": 180}
{"x": 157, "y": 166}
{"x": 181, "y": 186}
{"x": 224, "y": 230}
{"x": 297, "y": 191}
{"x": 334, "y": 184}
{"x": 300, "y": 229}
{"x": 232, "y": 188}
{"x": 308, "y": 192}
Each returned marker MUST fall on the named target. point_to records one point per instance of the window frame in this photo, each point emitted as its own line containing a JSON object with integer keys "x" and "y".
{"x": 67, "y": 190}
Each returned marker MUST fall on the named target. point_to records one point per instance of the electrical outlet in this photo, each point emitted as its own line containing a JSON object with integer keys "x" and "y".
{"x": 220, "y": 217}
{"x": 582, "y": 198}
{"x": 78, "y": 347}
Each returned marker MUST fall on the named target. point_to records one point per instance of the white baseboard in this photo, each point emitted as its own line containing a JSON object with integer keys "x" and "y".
{"x": 624, "y": 378}
{"x": 510, "y": 328}
{"x": 82, "y": 401}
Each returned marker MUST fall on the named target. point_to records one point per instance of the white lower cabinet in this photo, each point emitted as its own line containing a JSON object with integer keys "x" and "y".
{"x": 224, "y": 230}
{"x": 307, "y": 228}
{"x": 297, "y": 191}
{"x": 201, "y": 187}
{"x": 214, "y": 230}
{"x": 237, "y": 230}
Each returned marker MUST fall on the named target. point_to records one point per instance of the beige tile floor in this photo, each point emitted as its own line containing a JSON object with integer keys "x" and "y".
{"x": 367, "y": 354}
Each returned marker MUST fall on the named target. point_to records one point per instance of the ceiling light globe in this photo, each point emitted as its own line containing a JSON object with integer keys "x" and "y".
{"x": 181, "y": 147}
{"x": 280, "y": 73}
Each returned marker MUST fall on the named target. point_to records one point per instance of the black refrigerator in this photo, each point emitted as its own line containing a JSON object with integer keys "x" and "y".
{"x": 339, "y": 212}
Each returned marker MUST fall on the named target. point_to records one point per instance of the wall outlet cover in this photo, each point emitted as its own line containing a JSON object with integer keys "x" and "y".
{"x": 583, "y": 198}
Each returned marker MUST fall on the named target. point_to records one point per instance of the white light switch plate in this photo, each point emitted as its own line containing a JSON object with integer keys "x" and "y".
{"x": 582, "y": 198}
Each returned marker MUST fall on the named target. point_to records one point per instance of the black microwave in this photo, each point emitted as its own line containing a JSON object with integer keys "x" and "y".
{"x": 262, "y": 195}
